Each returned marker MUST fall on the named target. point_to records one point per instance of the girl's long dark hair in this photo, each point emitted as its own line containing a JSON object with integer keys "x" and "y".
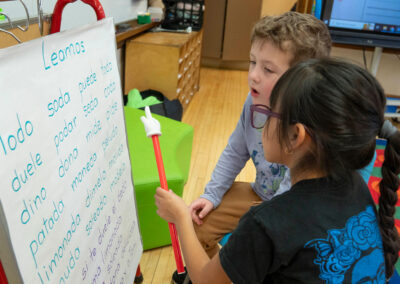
{"x": 342, "y": 106}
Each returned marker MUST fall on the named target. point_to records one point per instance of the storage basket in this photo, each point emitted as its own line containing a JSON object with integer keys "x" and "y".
{"x": 181, "y": 14}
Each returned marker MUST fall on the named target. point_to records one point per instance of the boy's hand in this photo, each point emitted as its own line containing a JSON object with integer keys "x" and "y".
{"x": 170, "y": 206}
{"x": 199, "y": 209}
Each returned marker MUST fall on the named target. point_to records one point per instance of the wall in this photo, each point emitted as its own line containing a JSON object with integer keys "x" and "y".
{"x": 273, "y": 7}
{"x": 388, "y": 70}
{"x": 227, "y": 28}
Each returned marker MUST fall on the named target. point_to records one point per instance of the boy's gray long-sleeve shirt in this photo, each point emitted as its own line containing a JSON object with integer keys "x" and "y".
{"x": 244, "y": 143}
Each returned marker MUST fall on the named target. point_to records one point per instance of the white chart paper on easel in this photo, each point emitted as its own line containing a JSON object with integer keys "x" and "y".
{"x": 65, "y": 174}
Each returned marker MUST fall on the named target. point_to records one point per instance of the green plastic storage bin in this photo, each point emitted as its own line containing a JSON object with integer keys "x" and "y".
{"x": 176, "y": 147}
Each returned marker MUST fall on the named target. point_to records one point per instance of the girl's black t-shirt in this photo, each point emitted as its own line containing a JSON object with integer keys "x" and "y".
{"x": 320, "y": 231}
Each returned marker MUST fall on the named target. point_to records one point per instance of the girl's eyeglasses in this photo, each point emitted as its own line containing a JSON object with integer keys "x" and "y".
{"x": 259, "y": 115}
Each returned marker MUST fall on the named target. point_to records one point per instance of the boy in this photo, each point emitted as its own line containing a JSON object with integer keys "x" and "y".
{"x": 277, "y": 42}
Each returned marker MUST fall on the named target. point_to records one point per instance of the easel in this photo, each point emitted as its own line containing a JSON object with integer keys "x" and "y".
{"x": 23, "y": 30}
{"x": 33, "y": 31}
{"x": 12, "y": 33}
{"x": 376, "y": 57}
{"x": 35, "y": 27}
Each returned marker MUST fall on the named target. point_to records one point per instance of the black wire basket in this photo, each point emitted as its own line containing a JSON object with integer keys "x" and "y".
{"x": 181, "y": 14}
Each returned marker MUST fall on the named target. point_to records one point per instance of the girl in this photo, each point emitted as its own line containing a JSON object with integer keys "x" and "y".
{"x": 322, "y": 122}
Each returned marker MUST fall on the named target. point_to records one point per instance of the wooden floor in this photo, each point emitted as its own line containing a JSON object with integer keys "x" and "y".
{"x": 213, "y": 113}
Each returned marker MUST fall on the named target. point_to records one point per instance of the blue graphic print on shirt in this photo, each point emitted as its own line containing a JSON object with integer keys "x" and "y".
{"x": 253, "y": 157}
{"x": 277, "y": 173}
{"x": 354, "y": 252}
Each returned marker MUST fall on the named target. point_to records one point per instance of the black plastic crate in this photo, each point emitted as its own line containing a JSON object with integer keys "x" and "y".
{"x": 181, "y": 14}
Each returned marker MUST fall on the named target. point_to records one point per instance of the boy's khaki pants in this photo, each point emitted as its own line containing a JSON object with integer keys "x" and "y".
{"x": 225, "y": 218}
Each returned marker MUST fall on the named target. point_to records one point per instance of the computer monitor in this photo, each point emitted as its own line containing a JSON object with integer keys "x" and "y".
{"x": 363, "y": 22}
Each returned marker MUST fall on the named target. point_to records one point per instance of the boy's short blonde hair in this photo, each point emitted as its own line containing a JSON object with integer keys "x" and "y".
{"x": 301, "y": 35}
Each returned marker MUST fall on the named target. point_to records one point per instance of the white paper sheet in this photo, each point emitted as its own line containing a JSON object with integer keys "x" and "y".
{"x": 66, "y": 186}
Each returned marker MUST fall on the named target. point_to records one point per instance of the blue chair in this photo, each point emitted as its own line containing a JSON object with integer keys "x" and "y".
{"x": 395, "y": 279}
{"x": 225, "y": 239}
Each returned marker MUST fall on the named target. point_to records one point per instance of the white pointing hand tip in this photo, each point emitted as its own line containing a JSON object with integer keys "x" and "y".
{"x": 151, "y": 125}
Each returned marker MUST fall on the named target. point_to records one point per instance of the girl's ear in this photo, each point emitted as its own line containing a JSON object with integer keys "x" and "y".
{"x": 297, "y": 135}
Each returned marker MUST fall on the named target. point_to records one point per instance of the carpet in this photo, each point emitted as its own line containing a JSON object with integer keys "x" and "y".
{"x": 373, "y": 185}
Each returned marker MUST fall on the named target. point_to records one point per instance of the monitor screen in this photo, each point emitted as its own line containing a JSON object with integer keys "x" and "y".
{"x": 363, "y": 22}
